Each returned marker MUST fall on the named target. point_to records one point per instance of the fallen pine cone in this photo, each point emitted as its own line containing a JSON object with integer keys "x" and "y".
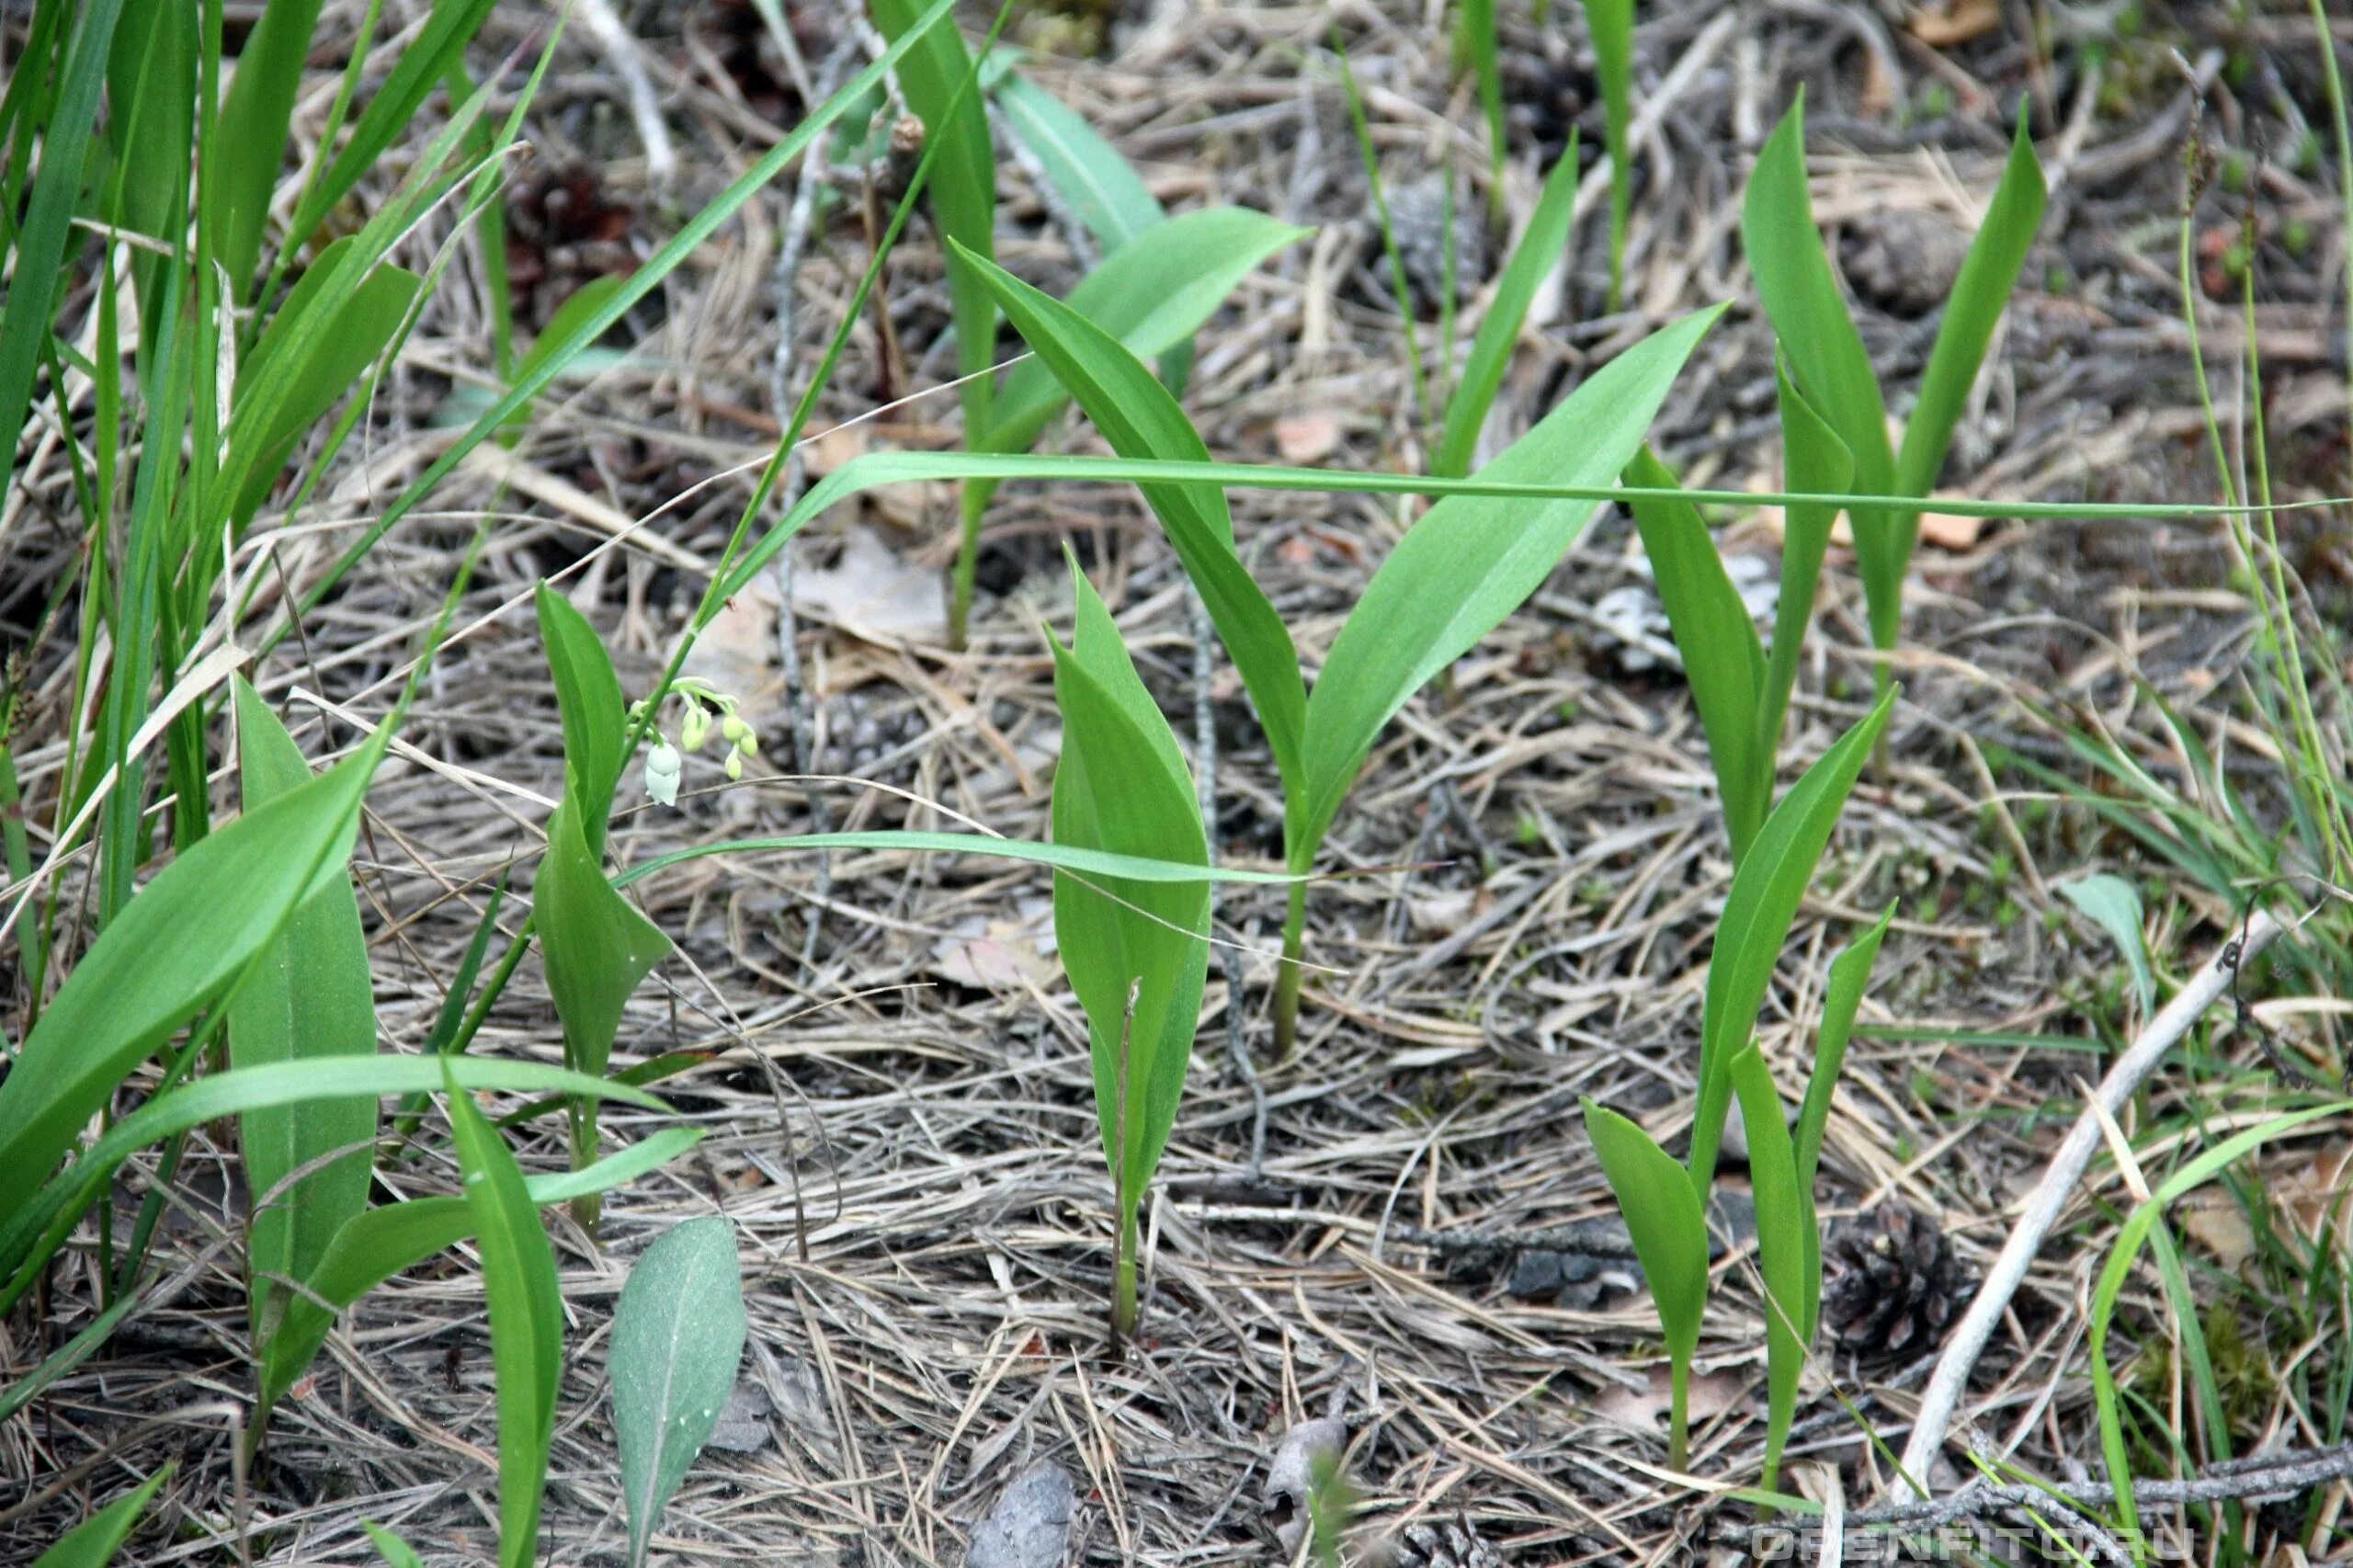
{"x": 1892, "y": 1284}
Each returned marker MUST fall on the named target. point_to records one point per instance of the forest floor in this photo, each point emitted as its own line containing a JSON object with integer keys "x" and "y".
{"x": 896, "y": 1087}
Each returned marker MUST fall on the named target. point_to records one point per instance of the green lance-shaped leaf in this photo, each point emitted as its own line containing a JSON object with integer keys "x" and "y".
{"x": 1784, "y": 1216}
{"x": 1979, "y": 295}
{"x": 423, "y": 65}
{"x": 1766, "y": 893}
{"x": 1138, "y": 417}
{"x": 588, "y": 699}
{"x": 177, "y": 949}
{"x": 363, "y": 319}
{"x": 595, "y": 945}
{"x": 1817, "y": 461}
{"x": 1722, "y": 657}
{"x": 94, "y": 1542}
{"x": 253, "y": 126}
{"x": 396, "y": 1553}
{"x": 1473, "y": 561}
{"x": 1137, "y": 952}
{"x": 1148, "y": 296}
{"x": 1670, "y": 1235}
{"x": 1611, "y": 23}
{"x": 1825, "y": 353}
{"x": 526, "y": 1320}
{"x": 677, "y": 1335}
{"x": 309, "y": 994}
{"x": 1532, "y": 260}
{"x": 2113, "y": 905}
{"x": 1841, "y": 995}
{"x": 33, "y": 1234}
{"x": 394, "y": 1237}
{"x": 935, "y": 74}
{"x": 1104, "y": 192}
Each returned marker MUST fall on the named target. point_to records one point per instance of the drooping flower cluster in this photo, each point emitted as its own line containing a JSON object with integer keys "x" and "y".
{"x": 665, "y": 763}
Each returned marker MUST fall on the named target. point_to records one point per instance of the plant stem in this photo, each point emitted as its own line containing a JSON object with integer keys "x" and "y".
{"x": 973, "y": 502}
{"x": 589, "y": 1207}
{"x": 1678, "y": 1417}
{"x": 1286, "y": 980}
{"x": 1123, "y": 1286}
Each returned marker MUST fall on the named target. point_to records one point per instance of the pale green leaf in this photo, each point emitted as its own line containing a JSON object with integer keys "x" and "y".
{"x": 1539, "y": 250}
{"x": 309, "y": 994}
{"x": 2114, "y": 906}
{"x": 94, "y": 1542}
{"x": 677, "y": 1335}
{"x": 1784, "y": 1215}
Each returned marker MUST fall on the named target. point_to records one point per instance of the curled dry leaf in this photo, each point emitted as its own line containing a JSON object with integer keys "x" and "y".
{"x": 1029, "y": 1527}
{"x": 1290, "y": 1479}
{"x": 1646, "y": 1410}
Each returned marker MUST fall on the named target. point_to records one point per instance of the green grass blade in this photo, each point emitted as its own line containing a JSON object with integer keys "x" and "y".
{"x": 1149, "y": 295}
{"x": 32, "y": 1233}
{"x": 1766, "y": 893}
{"x": 1137, "y": 964}
{"x": 677, "y": 1335}
{"x": 310, "y": 995}
{"x": 936, "y": 76}
{"x": 2119, "y": 1269}
{"x": 175, "y": 950}
{"x": 1073, "y": 857}
{"x": 1722, "y": 658}
{"x": 391, "y": 112}
{"x": 1102, "y": 190}
{"x": 1815, "y": 460}
{"x": 85, "y": 1344}
{"x": 1809, "y": 314}
{"x": 396, "y": 1553}
{"x": 253, "y": 121}
{"x": 640, "y": 283}
{"x": 395, "y": 1237}
{"x": 1475, "y": 37}
{"x": 1980, "y": 294}
{"x": 1611, "y": 23}
{"x": 1532, "y": 262}
{"x": 1142, "y": 419}
{"x": 2113, "y": 905}
{"x": 41, "y": 243}
{"x": 94, "y": 1542}
{"x": 1784, "y": 1215}
{"x": 525, "y": 1321}
{"x": 1670, "y": 1235}
{"x": 1470, "y": 562}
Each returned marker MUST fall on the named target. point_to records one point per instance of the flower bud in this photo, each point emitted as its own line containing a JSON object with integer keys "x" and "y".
{"x": 663, "y": 766}
{"x": 735, "y": 765}
{"x": 695, "y": 728}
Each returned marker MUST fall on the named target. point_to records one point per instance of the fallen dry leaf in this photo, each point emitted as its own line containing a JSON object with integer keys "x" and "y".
{"x": 1947, "y": 532}
{"x": 1955, "y": 22}
{"x": 1712, "y": 1393}
{"x": 738, "y": 650}
{"x": 874, "y": 593}
{"x": 1306, "y": 437}
{"x": 999, "y": 955}
{"x": 2221, "y": 1227}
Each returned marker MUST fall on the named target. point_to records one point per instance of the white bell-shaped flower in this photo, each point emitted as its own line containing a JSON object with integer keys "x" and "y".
{"x": 663, "y": 766}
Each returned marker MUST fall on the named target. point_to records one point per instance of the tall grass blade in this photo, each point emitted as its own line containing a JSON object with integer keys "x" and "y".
{"x": 253, "y": 126}
{"x": 1137, "y": 952}
{"x": 1075, "y": 858}
{"x": 94, "y": 1542}
{"x": 936, "y": 75}
{"x": 1532, "y": 260}
{"x": 1611, "y": 23}
{"x": 1476, "y": 37}
{"x": 48, "y": 216}
{"x": 1766, "y": 893}
{"x": 677, "y": 1335}
{"x": 526, "y": 1320}
{"x": 1670, "y": 1233}
{"x": 309, "y": 995}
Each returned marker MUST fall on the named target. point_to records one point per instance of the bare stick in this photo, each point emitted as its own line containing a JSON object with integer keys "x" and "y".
{"x": 2059, "y": 1183}
{"x": 644, "y": 106}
